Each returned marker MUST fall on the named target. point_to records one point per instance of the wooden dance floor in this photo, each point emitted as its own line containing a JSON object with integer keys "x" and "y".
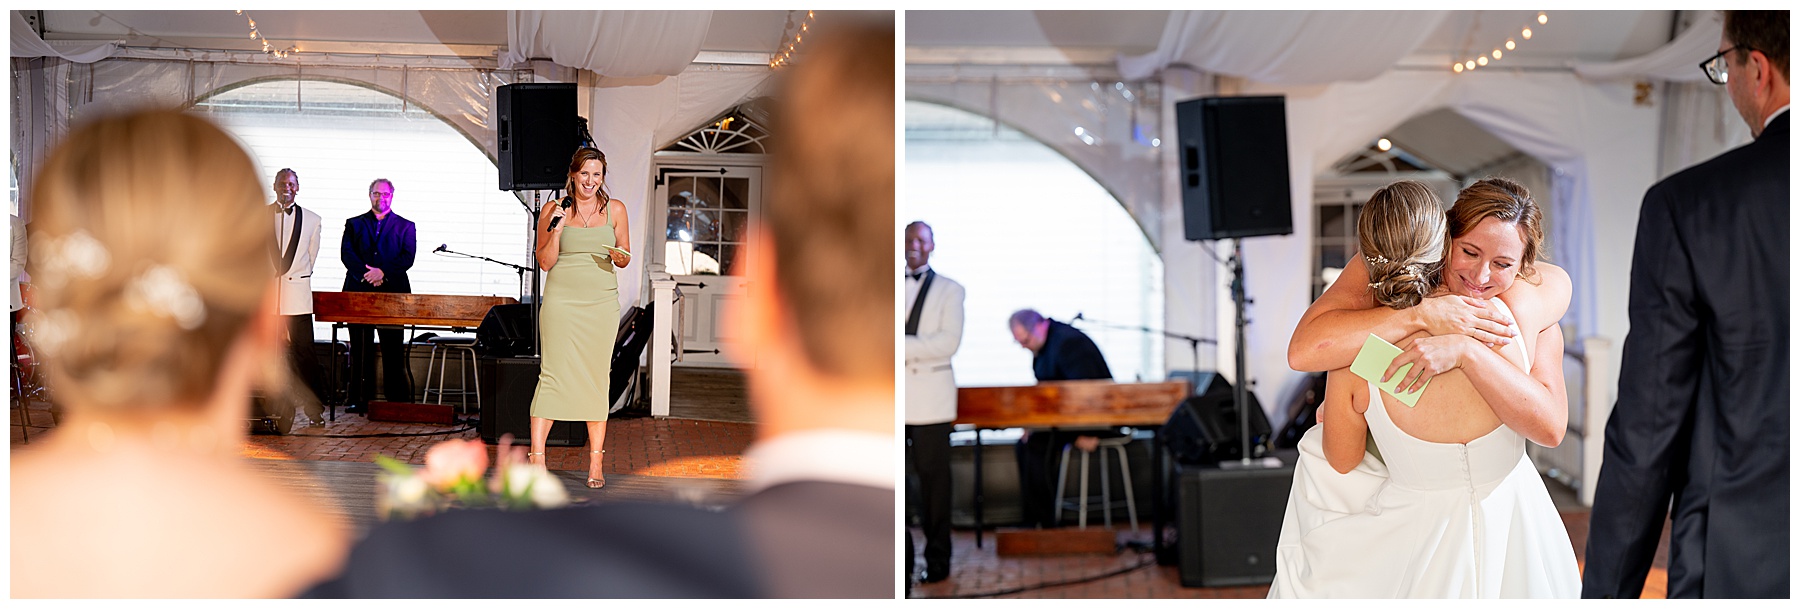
{"x": 694, "y": 456}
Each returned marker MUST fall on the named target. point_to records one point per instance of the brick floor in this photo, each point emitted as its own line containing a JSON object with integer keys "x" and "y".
{"x": 674, "y": 448}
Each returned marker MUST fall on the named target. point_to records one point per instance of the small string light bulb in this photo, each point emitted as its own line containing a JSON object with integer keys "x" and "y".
{"x": 1456, "y": 67}
{"x": 1469, "y": 64}
{"x": 1481, "y": 60}
{"x": 1543, "y": 18}
{"x": 1510, "y": 45}
{"x": 1383, "y": 144}
{"x": 1496, "y": 53}
{"x": 1526, "y": 33}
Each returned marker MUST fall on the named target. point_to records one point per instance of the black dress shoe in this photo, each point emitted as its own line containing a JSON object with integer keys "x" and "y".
{"x": 936, "y": 575}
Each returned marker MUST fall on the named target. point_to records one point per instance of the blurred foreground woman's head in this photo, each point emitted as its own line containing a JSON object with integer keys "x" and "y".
{"x": 150, "y": 256}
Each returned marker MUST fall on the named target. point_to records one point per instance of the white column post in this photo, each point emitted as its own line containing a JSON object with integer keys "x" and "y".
{"x": 662, "y": 334}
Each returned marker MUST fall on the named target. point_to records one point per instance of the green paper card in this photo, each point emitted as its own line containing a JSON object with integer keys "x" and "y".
{"x": 1373, "y": 361}
{"x": 627, "y": 254}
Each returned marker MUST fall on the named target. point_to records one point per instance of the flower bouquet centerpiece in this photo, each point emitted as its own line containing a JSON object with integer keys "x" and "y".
{"x": 453, "y": 477}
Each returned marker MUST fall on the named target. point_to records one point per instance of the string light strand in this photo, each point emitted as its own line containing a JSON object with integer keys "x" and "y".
{"x": 791, "y": 38}
{"x": 1483, "y": 59}
{"x": 266, "y": 47}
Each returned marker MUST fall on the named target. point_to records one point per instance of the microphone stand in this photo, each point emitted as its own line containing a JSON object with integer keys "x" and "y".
{"x": 1194, "y": 342}
{"x": 519, "y": 269}
{"x": 516, "y": 268}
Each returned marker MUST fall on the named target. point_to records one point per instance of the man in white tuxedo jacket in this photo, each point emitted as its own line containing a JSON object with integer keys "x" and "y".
{"x": 934, "y": 326}
{"x": 296, "y": 249}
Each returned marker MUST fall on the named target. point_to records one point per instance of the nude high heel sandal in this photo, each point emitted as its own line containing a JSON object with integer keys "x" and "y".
{"x": 591, "y": 481}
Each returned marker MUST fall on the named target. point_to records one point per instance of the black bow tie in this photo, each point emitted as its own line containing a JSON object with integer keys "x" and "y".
{"x": 289, "y": 211}
{"x": 915, "y": 276}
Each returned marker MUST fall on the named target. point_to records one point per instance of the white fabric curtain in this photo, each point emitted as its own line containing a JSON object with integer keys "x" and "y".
{"x": 27, "y": 43}
{"x": 621, "y": 44}
{"x": 1677, "y": 61}
{"x": 1286, "y": 47}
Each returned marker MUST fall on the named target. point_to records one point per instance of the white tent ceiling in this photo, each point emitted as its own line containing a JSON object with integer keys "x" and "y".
{"x": 465, "y": 31}
{"x": 1083, "y": 37}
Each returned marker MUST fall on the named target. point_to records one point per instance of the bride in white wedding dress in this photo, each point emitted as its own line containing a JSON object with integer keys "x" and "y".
{"x": 1451, "y": 508}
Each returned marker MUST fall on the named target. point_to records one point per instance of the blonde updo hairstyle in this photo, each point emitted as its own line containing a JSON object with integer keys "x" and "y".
{"x": 1401, "y": 236}
{"x": 1511, "y": 203}
{"x": 151, "y": 251}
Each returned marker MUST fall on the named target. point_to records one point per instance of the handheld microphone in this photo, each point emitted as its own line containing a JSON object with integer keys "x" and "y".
{"x": 440, "y": 248}
{"x": 566, "y": 202}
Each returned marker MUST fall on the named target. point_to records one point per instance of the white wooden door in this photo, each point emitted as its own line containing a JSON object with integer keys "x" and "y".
{"x": 707, "y": 212}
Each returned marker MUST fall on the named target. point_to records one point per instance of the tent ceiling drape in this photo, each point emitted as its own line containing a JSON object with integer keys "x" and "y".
{"x": 27, "y": 43}
{"x": 1286, "y": 47}
{"x": 1674, "y": 61}
{"x": 618, "y": 44}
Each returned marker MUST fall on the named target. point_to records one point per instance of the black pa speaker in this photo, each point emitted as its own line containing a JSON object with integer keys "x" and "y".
{"x": 1228, "y": 522}
{"x": 1204, "y": 428}
{"x": 506, "y": 331}
{"x": 506, "y": 404}
{"x": 1234, "y": 167}
{"x": 537, "y": 133}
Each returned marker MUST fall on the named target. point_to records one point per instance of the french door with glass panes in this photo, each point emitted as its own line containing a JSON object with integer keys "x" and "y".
{"x": 707, "y": 212}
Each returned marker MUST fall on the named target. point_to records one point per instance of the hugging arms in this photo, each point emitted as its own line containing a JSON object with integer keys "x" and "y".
{"x": 1455, "y": 331}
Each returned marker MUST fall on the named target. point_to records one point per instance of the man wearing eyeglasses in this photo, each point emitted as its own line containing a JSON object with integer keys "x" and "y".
{"x": 1700, "y": 431}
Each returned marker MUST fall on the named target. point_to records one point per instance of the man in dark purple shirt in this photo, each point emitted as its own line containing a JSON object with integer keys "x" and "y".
{"x": 378, "y": 249}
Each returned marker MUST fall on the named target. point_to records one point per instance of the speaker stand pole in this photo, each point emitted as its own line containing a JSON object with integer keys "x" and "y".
{"x": 1241, "y": 389}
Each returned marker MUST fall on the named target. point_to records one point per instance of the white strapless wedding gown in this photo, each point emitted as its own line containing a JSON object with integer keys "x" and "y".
{"x": 1435, "y": 521}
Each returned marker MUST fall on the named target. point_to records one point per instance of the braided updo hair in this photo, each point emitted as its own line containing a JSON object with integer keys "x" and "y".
{"x": 1401, "y": 236}
{"x": 150, "y": 254}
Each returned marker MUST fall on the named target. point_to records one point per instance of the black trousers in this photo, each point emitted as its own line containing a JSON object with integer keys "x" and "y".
{"x": 303, "y": 357}
{"x": 395, "y": 385}
{"x": 928, "y": 458}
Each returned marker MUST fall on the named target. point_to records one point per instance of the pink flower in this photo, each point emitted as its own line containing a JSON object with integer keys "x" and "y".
{"x": 453, "y": 462}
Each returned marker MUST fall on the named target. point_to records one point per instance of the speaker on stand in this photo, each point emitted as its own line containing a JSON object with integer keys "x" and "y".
{"x": 536, "y": 133}
{"x": 1234, "y": 184}
{"x": 538, "y": 128}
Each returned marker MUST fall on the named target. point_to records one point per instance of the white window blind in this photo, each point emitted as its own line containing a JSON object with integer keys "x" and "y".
{"x": 1021, "y": 226}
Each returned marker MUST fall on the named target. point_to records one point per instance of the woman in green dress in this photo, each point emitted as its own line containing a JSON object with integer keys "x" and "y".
{"x": 580, "y": 316}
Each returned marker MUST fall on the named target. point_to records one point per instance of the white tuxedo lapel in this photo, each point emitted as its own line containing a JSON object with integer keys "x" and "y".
{"x": 296, "y": 284}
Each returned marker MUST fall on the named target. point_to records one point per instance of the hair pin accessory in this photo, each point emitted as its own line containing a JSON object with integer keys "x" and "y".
{"x": 161, "y": 290}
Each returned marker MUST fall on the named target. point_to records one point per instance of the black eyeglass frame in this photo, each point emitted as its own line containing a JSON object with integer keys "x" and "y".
{"x": 1721, "y": 54}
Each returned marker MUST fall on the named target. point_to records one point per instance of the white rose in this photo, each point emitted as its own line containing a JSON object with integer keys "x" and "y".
{"x": 546, "y": 490}
{"x": 519, "y": 477}
{"x": 407, "y": 495}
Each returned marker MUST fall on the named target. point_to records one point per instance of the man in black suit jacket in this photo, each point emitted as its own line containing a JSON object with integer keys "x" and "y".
{"x": 1702, "y": 416}
{"x": 1059, "y": 353}
{"x": 819, "y": 517}
{"x": 378, "y": 249}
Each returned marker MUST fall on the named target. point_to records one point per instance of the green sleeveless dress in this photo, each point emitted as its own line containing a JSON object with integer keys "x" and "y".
{"x": 578, "y": 324}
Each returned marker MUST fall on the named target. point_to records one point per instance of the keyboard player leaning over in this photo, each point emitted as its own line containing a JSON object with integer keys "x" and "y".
{"x": 1059, "y": 353}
